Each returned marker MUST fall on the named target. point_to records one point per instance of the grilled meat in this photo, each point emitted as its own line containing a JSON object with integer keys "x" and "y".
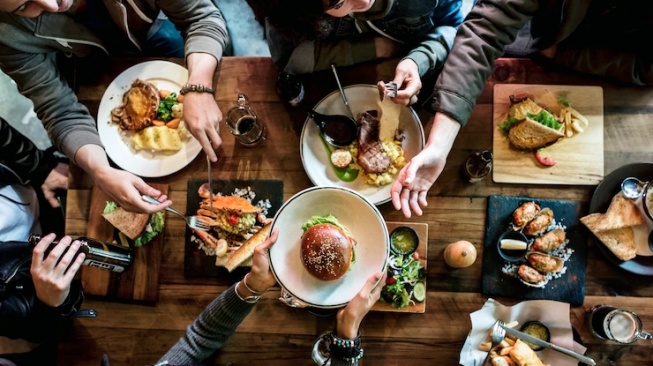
{"x": 139, "y": 106}
{"x": 370, "y": 153}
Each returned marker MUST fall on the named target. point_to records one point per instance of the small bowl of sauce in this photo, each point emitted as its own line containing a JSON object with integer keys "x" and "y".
{"x": 512, "y": 246}
{"x": 338, "y": 130}
{"x": 404, "y": 240}
{"x": 537, "y": 330}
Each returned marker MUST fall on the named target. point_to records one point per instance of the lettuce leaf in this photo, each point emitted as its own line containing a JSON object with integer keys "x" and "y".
{"x": 110, "y": 207}
{"x": 153, "y": 228}
{"x": 505, "y": 125}
{"x": 328, "y": 219}
{"x": 545, "y": 118}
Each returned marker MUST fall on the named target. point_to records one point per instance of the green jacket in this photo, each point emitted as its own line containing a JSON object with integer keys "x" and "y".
{"x": 29, "y": 49}
{"x": 493, "y": 24}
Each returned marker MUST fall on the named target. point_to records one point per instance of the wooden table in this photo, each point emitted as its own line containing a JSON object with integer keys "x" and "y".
{"x": 274, "y": 334}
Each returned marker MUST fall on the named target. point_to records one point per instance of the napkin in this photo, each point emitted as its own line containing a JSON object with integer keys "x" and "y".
{"x": 554, "y": 314}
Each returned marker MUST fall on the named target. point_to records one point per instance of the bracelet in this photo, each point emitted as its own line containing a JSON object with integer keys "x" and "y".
{"x": 249, "y": 288}
{"x": 252, "y": 299}
{"x": 349, "y": 350}
{"x": 198, "y": 88}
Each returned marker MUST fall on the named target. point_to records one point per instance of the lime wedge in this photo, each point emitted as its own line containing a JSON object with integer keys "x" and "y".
{"x": 419, "y": 291}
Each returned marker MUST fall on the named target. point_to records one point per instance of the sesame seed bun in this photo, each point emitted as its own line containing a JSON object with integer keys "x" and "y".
{"x": 326, "y": 251}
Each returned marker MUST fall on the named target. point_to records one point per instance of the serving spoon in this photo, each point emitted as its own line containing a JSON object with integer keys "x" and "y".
{"x": 632, "y": 187}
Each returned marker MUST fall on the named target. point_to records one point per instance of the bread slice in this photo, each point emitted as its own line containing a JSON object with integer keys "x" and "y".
{"x": 620, "y": 241}
{"x": 247, "y": 249}
{"x": 129, "y": 223}
{"x": 621, "y": 213}
{"x": 530, "y": 135}
{"x": 522, "y": 109}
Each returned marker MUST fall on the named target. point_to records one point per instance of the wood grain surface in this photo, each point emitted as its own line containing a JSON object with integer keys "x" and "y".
{"x": 579, "y": 158}
{"x": 275, "y": 334}
{"x": 140, "y": 282}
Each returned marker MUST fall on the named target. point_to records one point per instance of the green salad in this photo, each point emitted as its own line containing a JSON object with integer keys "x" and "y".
{"x": 405, "y": 281}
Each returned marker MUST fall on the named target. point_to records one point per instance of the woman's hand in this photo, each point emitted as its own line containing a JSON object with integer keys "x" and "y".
{"x": 51, "y": 275}
{"x": 350, "y": 317}
{"x": 56, "y": 180}
{"x": 409, "y": 82}
{"x": 260, "y": 278}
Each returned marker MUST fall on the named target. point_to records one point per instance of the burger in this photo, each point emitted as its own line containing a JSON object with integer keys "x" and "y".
{"x": 139, "y": 227}
{"x": 529, "y": 126}
{"x": 327, "y": 248}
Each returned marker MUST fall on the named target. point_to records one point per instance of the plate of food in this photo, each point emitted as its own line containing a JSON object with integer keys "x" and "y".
{"x": 619, "y": 226}
{"x": 550, "y": 134}
{"x": 390, "y": 134}
{"x": 331, "y": 240}
{"x": 552, "y": 266}
{"x": 240, "y": 219}
{"x": 140, "y": 120}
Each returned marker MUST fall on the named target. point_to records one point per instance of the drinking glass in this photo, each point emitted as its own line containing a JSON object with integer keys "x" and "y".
{"x": 243, "y": 123}
{"x": 622, "y": 326}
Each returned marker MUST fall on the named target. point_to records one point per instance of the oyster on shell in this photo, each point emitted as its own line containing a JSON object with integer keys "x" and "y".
{"x": 544, "y": 263}
{"x": 540, "y": 222}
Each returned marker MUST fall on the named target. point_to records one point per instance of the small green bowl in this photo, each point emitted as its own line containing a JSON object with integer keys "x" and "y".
{"x": 404, "y": 240}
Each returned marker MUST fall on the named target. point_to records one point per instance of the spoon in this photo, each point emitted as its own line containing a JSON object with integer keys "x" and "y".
{"x": 632, "y": 187}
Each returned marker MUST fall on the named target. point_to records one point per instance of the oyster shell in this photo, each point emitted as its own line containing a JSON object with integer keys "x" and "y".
{"x": 530, "y": 275}
{"x": 544, "y": 263}
{"x": 549, "y": 241}
{"x": 540, "y": 222}
{"x": 524, "y": 213}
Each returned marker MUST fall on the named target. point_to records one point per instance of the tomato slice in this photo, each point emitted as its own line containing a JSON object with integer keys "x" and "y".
{"x": 232, "y": 219}
{"x": 544, "y": 160}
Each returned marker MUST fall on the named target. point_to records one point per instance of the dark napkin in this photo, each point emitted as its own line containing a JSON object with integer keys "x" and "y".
{"x": 569, "y": 288}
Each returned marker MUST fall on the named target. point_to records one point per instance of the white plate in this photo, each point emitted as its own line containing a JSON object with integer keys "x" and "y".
{"x": 361, "y": 98}
{"x": 361, "y": 218}
{"x": 144, "y": 163}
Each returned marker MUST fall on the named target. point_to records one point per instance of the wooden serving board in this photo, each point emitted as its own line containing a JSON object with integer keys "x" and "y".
{"x": 579, "y": 158}
{"x": 422, "y": 250}
{"x": 140, "y": 281}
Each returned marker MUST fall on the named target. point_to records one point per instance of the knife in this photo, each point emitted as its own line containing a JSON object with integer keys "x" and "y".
{"x": 208, "y": 164}
{"x": 538, "y": 342}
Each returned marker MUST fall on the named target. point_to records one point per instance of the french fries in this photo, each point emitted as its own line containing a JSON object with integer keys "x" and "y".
{"x": 500, "y": 355}
{"x": 573, "y": 121}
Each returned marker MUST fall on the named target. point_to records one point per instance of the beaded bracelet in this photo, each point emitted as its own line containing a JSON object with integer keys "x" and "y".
{"x": 349, "y": 350}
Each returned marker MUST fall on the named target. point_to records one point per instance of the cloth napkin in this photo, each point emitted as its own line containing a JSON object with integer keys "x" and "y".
{"x": 554, "y": 314}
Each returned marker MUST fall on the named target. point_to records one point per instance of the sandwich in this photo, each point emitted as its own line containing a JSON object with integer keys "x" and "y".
{"x": 235, "y": 215}
{"x": 529, "y": 126}
{"x": 139, "y": 227}
{"x": 327, "y": 248}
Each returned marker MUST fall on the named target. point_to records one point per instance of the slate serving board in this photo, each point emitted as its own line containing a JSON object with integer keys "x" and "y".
{"x": 569, "y": 288}
{"x": 140, "y": 282}
{"x": 198, "y": 264}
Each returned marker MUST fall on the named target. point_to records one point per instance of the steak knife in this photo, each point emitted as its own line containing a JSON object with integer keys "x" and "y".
{"x": 538, "y": 342}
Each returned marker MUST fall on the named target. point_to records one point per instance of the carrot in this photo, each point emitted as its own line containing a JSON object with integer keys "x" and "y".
{"x": 158, "y": 122}
{"x": 163, "y": 93}
{"x": 173, "y": 123}
{"x": 180, "y": 98}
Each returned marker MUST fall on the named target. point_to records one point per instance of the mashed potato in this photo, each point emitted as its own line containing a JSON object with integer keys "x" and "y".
{"x": 392, "y": 148}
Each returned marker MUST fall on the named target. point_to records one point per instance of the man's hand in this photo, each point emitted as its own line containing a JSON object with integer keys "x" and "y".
{"x": 415, "y": 179}
{"x": 407, "y": 77}
{"x": 51, "y": 275}
{"x": 203, "y": 116}
{"x": 56, "y": 180}
{"x": 350, "y": 317}
{"x": 126, "y": 190}
{"x": 260, "y": 277}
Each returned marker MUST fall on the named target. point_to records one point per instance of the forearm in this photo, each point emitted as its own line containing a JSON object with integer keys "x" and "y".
{"x": 201, "y": 68}
{"x": 442, "y": 135}
{"x": 92, "y": 159}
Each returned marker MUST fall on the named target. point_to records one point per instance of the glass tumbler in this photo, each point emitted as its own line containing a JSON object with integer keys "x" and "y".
{"x": 622, "y": 326}
{"x": 243, "y": 123}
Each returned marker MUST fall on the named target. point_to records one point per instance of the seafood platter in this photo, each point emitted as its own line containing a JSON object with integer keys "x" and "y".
{"x": 551, "y": 250}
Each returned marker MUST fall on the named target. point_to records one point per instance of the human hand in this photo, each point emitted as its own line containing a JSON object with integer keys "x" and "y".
{"x": 203, "y": 116}
{"x": 56, "y": 180}
{"x": 51, "y": 275}
{"x": 126, "y": 190}
{"x": 260, "y": 278}
{"x": 407, "y": 77}
{"x": 350, "y": 317}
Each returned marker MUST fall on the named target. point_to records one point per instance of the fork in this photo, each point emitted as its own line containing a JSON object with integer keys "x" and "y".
{"x": 193, "y": 222}
{"x": 497, "y": 335}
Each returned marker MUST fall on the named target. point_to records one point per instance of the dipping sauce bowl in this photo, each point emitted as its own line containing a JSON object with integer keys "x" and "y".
{"x": 404, "y": 240}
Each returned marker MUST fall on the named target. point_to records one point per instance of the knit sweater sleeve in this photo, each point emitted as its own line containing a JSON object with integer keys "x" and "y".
{"x": 210, "y": 331}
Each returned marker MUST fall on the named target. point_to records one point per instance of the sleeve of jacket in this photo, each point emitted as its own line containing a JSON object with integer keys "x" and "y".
{"x": 621, "y": 66}
{"x": 210, "y": 331}
{"x": 68, "y": 122}
{"x": 201, "y": 23}
{"x": 20, "y": 160}
{"x": 481, "y": 39}
{"x": 431, "y": 53}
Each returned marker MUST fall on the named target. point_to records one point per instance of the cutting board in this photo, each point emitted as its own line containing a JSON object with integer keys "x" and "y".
{"x": 569, "y": 288}
{"x": 422, "y": 249}
{"x": 140, "y": 281}
{"x": 196, "y": 262}
{"x": 579, "y": 158}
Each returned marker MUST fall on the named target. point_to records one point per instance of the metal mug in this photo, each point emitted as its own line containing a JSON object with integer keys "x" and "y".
{"x": 244, "y": 124}
{"x": 622, "y": 326}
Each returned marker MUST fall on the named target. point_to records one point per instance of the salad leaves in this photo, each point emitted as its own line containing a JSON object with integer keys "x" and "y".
{"x": 404, "y": 273}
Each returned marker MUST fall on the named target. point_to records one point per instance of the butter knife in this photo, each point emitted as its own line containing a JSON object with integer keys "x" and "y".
{"x": 538, "y": 342}
{"x": 208, "y": 164}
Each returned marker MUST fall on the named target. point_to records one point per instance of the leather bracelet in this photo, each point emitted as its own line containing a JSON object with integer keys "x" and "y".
{"x": 197, "y": 88}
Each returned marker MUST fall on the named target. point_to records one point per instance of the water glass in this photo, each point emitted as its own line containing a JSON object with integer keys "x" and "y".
{"x": 622, "y": 326}
{"x": 243, "y": 123}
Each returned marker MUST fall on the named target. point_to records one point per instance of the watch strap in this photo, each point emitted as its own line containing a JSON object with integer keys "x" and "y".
{"x": 197, "y": 88}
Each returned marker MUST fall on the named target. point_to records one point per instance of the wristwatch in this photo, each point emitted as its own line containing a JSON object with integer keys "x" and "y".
{"x": 199, "y": 88}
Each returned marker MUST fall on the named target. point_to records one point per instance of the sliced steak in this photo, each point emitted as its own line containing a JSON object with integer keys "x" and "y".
{"x": 370, "y": 153}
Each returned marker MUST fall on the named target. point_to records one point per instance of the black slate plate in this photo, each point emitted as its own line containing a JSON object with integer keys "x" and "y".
{"x": 569, "y": 288}
{"x": 198, "y": 264}
{"x": 601, "y": 199}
